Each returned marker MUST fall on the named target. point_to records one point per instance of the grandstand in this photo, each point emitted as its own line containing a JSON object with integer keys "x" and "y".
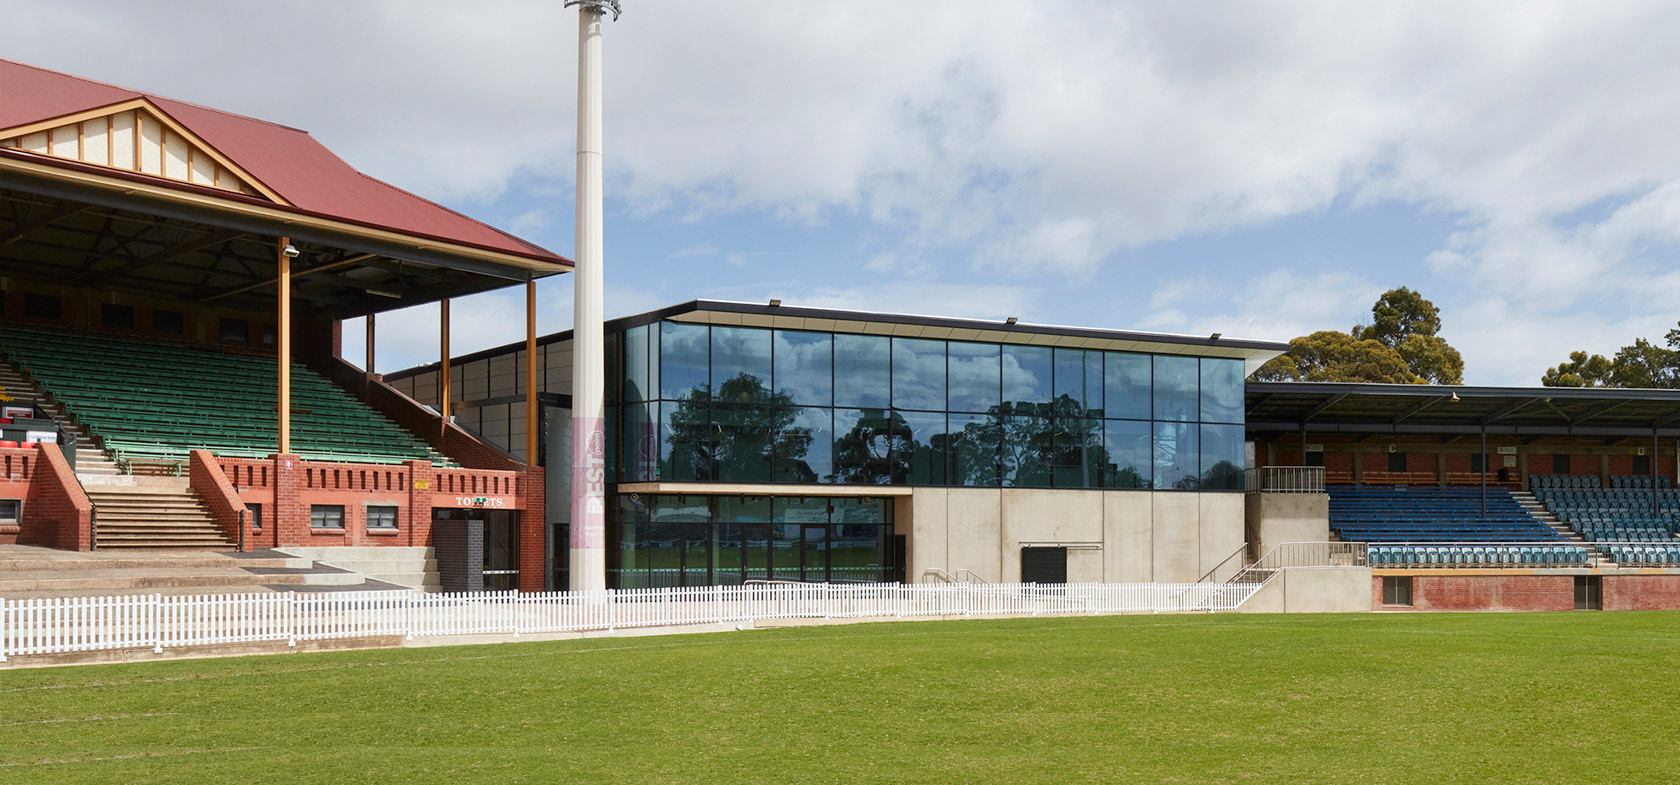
{"x": 173, "y": 280}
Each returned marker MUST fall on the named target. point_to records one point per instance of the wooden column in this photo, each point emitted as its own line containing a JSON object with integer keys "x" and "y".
{"x": 530, "y": 372}
{"x": 285, "y": 341}
{"x": 369, "y": 366}
{"x": 443, "y": 365}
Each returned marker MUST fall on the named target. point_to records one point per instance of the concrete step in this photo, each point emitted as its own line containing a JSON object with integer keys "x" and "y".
{"x": 26, "y": 557}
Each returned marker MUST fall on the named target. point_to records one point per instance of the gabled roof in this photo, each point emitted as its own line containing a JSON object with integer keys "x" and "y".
{"x": 298, "y": 169}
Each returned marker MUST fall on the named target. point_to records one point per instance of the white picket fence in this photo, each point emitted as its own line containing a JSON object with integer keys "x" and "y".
{"x": 157, "y": 622}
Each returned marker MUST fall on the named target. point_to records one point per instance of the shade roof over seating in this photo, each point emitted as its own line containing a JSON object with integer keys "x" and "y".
{"x": 1416, "y": 408}
{"x": 117, "y": 188}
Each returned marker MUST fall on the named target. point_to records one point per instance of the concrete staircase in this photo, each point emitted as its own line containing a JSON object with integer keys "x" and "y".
{"x": 162, "y": 513}
{"x": 410, "y": 566}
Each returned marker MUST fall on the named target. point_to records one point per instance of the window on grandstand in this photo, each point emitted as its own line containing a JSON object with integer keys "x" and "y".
{"x": 268, "y": 336}
{"x": 115, "y": 315}
{"x": 256, "y": 515}
{"x": 1477, "y": 462}
{"x": 1560, "y": 464}
{"x": 10, "y": 509}
{"x": 1641, "y": 464}
{"x": 326, "y": 516}
{"x": 168, "y": 322}
{"x": 1397, "y": 590}
{"x": 1396, "y": 461}
{"x": 1314, "y": 458}
{"x": 235, "y": 330}
{"x": 382, "y": 517}
{"x": 42, "y": 306}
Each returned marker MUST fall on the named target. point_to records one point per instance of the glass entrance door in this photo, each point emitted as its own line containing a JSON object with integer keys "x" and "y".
{"x": 501, "y": 550}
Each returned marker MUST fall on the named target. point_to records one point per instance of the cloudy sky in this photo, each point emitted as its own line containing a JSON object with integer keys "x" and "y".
{"x": 1261, "y": 169}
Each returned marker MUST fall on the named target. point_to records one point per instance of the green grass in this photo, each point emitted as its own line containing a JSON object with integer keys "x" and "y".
{"x": 1414, "y": 698}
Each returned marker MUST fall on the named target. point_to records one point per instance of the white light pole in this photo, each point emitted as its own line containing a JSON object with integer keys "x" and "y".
{"x": 589, "y": 455}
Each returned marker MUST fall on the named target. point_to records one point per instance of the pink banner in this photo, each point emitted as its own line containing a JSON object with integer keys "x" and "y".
{"x": 589, "y": 483}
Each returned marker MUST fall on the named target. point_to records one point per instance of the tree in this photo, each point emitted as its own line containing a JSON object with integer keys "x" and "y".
{"x": 1334, "y": 356}
{"x": 1399, "y": 346}
{"x": 1639, "y": 364}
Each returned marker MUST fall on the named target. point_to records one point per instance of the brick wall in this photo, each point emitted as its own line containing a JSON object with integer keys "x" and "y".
{"x": 61, "y": 515}
{"x": 533, "y": 531}
{"x": 1641, "y": 592}
{"x": 211, "y": 484}
{"x": 1486, "y": 592}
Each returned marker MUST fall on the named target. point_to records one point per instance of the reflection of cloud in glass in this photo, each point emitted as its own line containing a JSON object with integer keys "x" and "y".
{"x": 738, "y": 350}
{"x": 974, "y": 376}
{"x": 1026, "y": 374}
{"x": 918, "y": 374}
{"x": 805, "y": 367}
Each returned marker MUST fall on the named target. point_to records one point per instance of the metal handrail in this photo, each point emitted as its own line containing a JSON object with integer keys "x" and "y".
{"x": 943, "y": 576}
{"x": 968, "y": 576}
{"x": 1241, "y": 549}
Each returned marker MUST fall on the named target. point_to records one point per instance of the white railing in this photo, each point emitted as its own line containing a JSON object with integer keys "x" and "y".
{"x": 157, "y": 622}
{"x": 1284, "y": 479}
{"x": 1314, "y": 554}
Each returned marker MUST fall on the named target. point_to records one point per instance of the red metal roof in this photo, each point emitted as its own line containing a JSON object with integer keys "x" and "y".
{"x": 289, "y": 161}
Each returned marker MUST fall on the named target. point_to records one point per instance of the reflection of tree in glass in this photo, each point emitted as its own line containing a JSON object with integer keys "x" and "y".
{"x": 875, "y": 451}
{"x": 1223, "y": 476}
{"x": 738, "y": 442}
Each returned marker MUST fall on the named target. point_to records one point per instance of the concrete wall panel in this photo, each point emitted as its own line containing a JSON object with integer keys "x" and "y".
{"x": 1221, "y": 519}
{"x": 1128, "y": 537}
{"x": 927, "y": 531}
{"x": 973, "y": 527}
{"x": 1177, "y": 541}
{"x": 1042, "y": 516}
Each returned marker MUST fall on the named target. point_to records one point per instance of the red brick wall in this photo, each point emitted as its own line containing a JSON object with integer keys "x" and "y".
{"x": 533, "y": 532}
{"x": 1419, "y": 462}
{"x": 61, "y": 515}
{"x": 1338, "y": 462}
{"x": 1641, "y": 592}
{"x": 1486, "y": 592}
{"x": 211, "y": 484}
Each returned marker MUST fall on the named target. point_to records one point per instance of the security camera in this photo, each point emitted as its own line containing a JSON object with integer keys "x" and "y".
{"x": 291, "y": 252}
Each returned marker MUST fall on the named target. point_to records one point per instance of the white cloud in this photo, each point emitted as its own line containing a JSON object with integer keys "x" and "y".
{"x": 1004, "y": 139}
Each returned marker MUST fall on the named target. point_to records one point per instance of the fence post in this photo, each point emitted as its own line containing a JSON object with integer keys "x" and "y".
{"x": 513, "y": 608}
{"x": 157, "y": 624}
{"x": 409, "y": 613}
{"x": 612, "y": 600}
{"x": 291, "y": 619}
{"x": 5, "y": 629}
{"x": 717, "y": 600}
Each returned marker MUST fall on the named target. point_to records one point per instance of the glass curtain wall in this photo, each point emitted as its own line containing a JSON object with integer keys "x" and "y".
{"x": 715, "y": 403}
{"x": 669, "y": 540}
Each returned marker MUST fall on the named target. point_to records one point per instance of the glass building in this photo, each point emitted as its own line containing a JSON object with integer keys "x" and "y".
{"x": 754, "y": 442}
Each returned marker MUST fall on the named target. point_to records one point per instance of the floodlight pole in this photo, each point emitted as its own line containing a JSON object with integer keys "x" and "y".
{"x": 589, "y": 460}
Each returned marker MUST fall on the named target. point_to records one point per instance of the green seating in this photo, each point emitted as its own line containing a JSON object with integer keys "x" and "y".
{"x": 151, "y": 401}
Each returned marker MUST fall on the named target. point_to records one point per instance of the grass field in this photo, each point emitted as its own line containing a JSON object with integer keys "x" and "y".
{"x": 1413, "y": 698}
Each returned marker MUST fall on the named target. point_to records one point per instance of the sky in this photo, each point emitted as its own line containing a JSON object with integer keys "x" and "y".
{"x": 1259, "y": 169}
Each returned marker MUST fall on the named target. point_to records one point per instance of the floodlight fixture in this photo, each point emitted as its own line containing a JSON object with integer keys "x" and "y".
{"x": 598, "y": 6}
{"x": 1010, "y": 320}
{"x": 291, "y": 251}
